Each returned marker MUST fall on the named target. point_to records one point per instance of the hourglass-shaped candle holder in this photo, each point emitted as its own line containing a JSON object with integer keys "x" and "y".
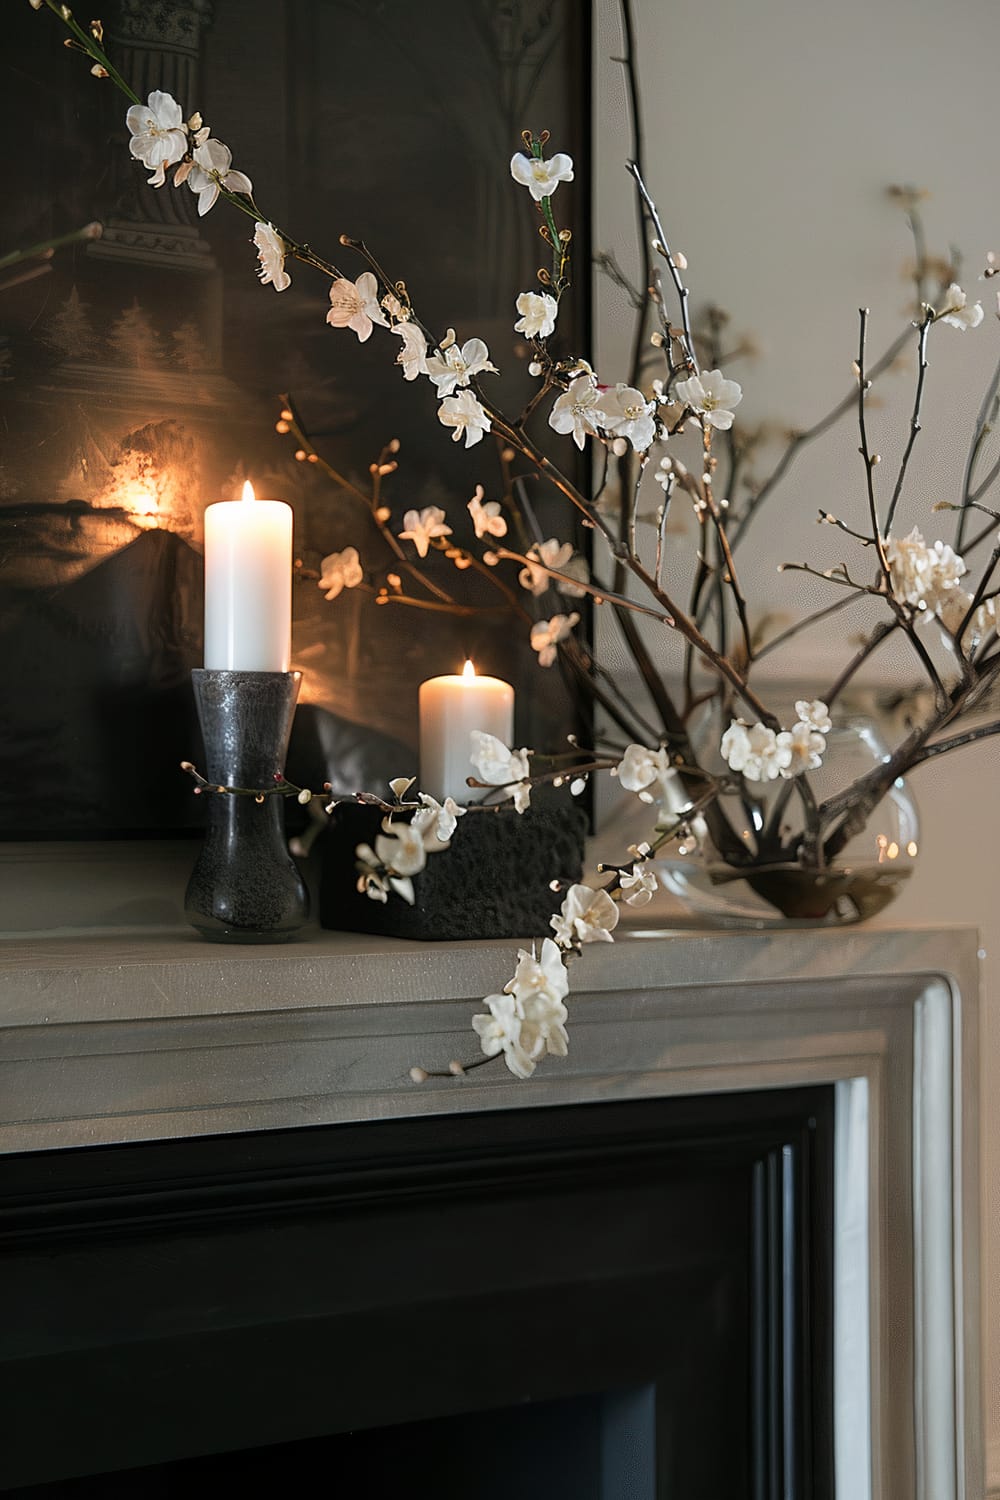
{"x": 245, "y": 887}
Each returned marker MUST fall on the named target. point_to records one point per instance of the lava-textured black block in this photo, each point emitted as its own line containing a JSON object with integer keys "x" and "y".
{"x": 493, "y": 882}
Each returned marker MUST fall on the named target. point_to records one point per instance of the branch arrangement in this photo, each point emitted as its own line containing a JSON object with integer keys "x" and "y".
{"x": 669, "y": 429}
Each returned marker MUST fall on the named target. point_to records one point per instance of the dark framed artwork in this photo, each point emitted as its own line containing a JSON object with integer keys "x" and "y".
{"x": 141, "y": 374}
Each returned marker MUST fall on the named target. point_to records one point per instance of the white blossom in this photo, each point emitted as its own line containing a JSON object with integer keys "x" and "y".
{"x": 159, "y": 137}
{"x": 640, "y": 884}
{"x": 528, "y": 1019}
{"x": 452, "y": 366}
{"x": 663, "y": 473}
{"x": 413, "y": 355}
{"x": 355, "y": 305}
{"x": 762, "y": 754}
{"x": 956, "y": 311}
{"x": 629, "y": 415}
{"x": 586, "y": 916}
{"x": 543, "y": 1029}
{"x": 503, "y": 768}
{"x": 212, "y": 170}
{"x": 639, "y": 768}
{"x": 815, "y": 714}
{"x": 500, "y": 1031}
{"x": 539, "y": 176}
{"x": 465, "y": 414}
{"x": 806, "y": 747}
{"x": 542, "y": 976}
{"x": 552, "y": 554}
{"x": 952, "y": 608}
{"x": 921, "y": 575}
{"x": 375, "y": 882}
{"x": 401, "y": 849}
{"x": 546, "y": 635}
{"x": 538, "y": 315}
{"x": 422, "y": 526}
{"x": 495, "y": 763}
{"x": 579, "y": 410}
{"x": 339, "y": 571}
{"x": 436, "y": 821}
{"x": 271, "y": 254}
{"x": 711, "y": 395}
{"x": 486, "y": 517}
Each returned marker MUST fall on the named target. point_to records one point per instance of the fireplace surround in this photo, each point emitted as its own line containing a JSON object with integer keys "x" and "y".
{"x": 159, "y": 1097}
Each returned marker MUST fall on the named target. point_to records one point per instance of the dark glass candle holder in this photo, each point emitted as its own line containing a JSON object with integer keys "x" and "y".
{"x": 245, "y": 887}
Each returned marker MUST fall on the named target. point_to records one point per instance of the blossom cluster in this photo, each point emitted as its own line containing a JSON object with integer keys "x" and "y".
{"x": 162, "y": 138}
{"x": 927, "y": 578}
{"x": 527, "y": 1019}
{"x": 401, "y": 849}
{"x": 760, "y": 753}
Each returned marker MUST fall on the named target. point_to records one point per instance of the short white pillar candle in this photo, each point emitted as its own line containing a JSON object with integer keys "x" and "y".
{"x": 248, "y": 585}
{"x": 450, "y": 709}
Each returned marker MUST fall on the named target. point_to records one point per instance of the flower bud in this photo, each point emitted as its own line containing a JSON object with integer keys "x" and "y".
{"x": 304, "y": 796}
{"x": 419, "y": 1075}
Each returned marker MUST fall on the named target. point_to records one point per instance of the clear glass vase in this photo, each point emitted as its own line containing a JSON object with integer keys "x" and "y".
{"x": 856, "y": 884}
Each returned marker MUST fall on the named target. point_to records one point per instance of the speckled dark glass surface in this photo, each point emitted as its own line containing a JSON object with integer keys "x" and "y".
{"x": 245, "y": 886}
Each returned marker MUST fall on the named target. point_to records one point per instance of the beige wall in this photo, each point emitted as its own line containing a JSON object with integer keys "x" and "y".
{"x": 772, "y": 130}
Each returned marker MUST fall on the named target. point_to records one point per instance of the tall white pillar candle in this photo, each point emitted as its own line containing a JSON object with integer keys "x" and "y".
{"x": 248, "y": 584}
{"x": 450, "y": 709}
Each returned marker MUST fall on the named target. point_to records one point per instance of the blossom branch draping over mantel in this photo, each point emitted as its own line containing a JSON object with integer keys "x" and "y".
{"x": 678, "y": 431}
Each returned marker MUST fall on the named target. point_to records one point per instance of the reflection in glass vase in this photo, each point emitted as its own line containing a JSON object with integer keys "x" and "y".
{"x": 857, "y": 882}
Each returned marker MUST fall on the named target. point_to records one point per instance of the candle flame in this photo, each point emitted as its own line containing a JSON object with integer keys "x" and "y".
{"x": 248, "y": 493}
{"x": 468, "y": 670}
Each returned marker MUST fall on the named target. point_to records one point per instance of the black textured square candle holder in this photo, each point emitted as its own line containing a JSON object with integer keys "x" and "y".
{"x": 493, "y": 882}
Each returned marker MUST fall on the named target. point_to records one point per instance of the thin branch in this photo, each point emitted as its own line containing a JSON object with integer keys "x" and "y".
{"x": 804, "y": 624}
{"x": 923, "y": 331}
{"x": 663, "y": 249}
{"x": 864, "y": 385}
{"x": 985, "y": 418}
{"x": 955, "y": 742}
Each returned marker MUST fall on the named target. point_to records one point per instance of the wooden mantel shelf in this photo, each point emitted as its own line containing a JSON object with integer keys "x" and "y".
{"x": 111, "y": 1037}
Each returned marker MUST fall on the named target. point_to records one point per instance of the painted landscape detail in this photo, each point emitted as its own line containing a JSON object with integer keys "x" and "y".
{"x": 141, "y": 373}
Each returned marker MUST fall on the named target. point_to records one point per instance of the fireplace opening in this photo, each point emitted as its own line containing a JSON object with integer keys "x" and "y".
{"x": 635, "y": 1293}
{"x": 591, "y": 1447}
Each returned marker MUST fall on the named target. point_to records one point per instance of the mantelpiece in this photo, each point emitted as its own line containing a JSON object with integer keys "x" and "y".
{"x": 135, "y": 1038}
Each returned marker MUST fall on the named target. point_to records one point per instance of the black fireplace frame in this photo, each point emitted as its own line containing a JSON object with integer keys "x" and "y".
{"x": 186, "y": 1298}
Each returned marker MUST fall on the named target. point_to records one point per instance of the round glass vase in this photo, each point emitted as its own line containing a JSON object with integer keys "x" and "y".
{"x": 857, "y": 883}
